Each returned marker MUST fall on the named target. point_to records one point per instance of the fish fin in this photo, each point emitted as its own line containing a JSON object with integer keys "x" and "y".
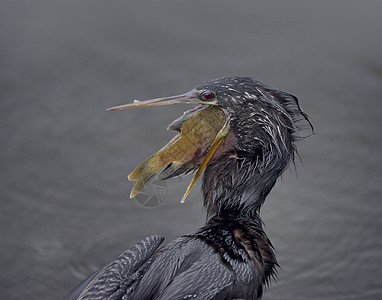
{"x": 175, "y": 169}
{"x": 142, "y": 174}
{"x": 215, "y": 145}
{"x": 178, "y": 123}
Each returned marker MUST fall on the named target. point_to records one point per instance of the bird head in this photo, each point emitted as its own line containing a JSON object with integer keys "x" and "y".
{"x": 259, "y": 134}
{"x": 252, "y": 109}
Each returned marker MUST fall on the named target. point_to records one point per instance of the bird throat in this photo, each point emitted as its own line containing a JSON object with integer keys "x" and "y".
{"x": 235, "y": 184}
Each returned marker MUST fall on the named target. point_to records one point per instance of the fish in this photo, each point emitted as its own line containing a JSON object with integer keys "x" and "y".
{"x": 200, "y": 132}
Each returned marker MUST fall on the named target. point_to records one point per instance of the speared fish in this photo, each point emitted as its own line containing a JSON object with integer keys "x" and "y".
{"x": 201, "y": 131}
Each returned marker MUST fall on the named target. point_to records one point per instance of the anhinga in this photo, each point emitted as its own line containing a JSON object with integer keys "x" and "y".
{"x": 243, "y": 135}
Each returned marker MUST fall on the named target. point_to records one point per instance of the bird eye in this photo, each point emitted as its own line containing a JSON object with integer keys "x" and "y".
{"x": 207, "y": 95}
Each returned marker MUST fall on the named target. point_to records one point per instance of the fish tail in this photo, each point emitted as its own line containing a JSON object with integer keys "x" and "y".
{"x": 143, "y": 174}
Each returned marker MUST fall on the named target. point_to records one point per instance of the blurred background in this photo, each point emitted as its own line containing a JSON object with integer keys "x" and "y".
{"x": 65, "y": 207}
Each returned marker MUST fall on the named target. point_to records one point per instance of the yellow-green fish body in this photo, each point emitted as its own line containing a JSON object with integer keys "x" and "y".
{"x": 198, "y": 129}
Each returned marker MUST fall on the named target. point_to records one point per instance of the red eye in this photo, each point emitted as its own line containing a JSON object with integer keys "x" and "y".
{"x": 207, "y": 95}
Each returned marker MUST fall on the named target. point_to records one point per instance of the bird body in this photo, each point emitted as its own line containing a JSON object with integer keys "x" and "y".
{"x": 251, "y": 142}
{"x": 223, "y": 260}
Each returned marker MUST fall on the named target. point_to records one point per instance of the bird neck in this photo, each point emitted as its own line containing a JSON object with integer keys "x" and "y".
{"x": 236, "y": 185}
{"x": 241, "y": 240}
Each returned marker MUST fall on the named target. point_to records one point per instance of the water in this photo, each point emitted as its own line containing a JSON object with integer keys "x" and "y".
{"x": 64, "y": 207}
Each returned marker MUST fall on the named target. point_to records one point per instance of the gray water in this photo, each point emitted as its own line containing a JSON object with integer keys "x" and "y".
{"x": 64, "y": 207}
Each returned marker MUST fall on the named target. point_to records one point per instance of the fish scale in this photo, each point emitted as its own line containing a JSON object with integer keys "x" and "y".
{"x": 186, "y": 151}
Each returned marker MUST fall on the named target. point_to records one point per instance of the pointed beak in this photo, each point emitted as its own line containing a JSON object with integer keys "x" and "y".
{"x": 184, "y": 98}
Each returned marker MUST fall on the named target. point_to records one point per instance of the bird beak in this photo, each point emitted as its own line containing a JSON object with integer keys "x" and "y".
{"x": 184, "y": 98}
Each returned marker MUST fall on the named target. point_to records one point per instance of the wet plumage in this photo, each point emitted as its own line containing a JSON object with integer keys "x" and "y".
{"x": 231, "y": 257}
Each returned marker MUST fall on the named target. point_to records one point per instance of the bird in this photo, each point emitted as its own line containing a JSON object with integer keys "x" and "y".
{"x": 253, "y": 141}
